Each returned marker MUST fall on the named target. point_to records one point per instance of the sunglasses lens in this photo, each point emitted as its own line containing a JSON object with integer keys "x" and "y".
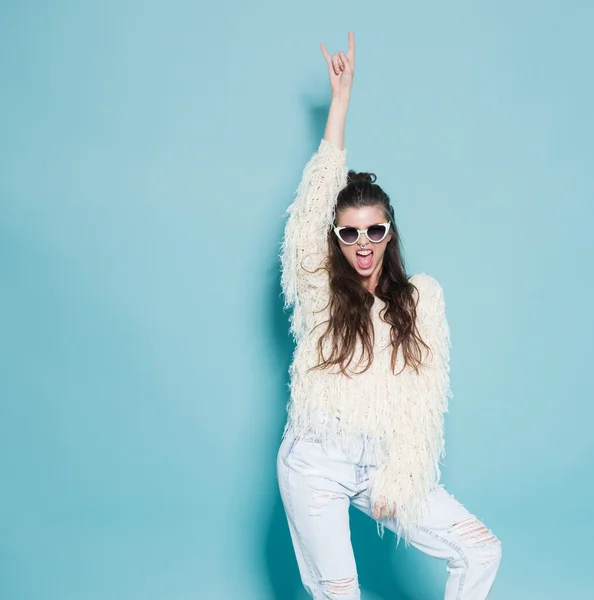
{"x": 348, "y": 235}
{"x": 376, "y": 232}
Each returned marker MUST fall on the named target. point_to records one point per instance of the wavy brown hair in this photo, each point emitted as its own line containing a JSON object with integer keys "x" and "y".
{"x": 350, "y": 303}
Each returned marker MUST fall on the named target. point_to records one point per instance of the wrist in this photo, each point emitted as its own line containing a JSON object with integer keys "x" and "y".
{"x": 341, "y": 96}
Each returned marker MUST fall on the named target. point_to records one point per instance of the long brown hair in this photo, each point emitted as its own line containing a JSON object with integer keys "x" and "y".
{"x": 350, "y": 303}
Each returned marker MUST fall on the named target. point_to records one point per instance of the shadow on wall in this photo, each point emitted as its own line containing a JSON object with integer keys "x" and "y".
{"x": 385, "y": 572}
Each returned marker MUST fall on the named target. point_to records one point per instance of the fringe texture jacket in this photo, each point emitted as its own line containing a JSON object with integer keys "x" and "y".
{"x": 401, "y": 415}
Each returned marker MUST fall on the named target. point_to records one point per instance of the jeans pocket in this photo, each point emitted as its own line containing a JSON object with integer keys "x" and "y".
{"x": 310, "y": 436}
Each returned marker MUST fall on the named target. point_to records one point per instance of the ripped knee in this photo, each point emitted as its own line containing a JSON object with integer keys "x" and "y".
{"x": 478, "y": 537}
{"x": 342, "y": 589}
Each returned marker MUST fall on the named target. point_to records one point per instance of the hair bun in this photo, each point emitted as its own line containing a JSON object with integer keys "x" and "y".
{"x": 363, "y": 176}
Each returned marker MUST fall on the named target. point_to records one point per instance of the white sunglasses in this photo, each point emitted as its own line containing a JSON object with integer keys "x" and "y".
{"x": 374, "y": 233}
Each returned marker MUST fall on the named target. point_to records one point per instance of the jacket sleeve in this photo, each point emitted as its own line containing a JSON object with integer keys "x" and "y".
{"x": 434, "y": 329}
{"x": 412, "y": 464}
{"x": 305, "y": 243}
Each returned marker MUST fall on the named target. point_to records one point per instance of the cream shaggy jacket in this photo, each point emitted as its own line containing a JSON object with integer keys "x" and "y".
{"x": 402, "y": 415}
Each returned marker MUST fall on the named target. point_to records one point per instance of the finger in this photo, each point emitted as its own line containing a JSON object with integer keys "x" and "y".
{"x": 335, "y": 64}
{"x": 351, "y": 50}
{"x": 341, "y": 61}
{"x": 325, "y": 53}
{"x": 347, "y": 63}
{"x": 377, "y": 511}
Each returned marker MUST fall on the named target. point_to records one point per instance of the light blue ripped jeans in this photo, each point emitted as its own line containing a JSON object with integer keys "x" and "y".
{"x": 317, "y": 488}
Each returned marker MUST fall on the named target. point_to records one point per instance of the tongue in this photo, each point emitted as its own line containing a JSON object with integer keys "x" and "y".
{"x": 364, "y": 262}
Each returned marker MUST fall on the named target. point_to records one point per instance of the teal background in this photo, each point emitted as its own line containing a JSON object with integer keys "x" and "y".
{"x": 149, "y": 150}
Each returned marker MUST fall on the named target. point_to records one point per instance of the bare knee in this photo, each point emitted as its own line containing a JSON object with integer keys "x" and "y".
{"x": 342, "y": 589}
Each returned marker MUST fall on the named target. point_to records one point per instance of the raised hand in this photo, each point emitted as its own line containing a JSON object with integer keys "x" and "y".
{"x": 341, "y": 67}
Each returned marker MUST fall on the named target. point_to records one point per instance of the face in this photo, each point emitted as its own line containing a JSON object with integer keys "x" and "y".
{"x": 365, "y": 256}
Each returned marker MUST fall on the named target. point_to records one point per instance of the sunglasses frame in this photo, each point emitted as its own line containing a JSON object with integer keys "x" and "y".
{"x": 360, "y": 231}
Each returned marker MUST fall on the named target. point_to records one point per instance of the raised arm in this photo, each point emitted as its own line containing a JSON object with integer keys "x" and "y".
{"x": 341, "y": 70}
{"x": 305, "y": 242}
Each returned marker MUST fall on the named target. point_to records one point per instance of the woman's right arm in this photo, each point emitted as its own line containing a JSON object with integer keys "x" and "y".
{"x": 305, "y": 243}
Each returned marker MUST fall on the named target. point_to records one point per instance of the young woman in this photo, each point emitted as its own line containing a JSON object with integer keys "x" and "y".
{"x": 369, "y": 380}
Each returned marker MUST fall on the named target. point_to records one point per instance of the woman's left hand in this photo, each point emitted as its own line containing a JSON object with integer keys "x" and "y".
{"x": 381, "y": 510}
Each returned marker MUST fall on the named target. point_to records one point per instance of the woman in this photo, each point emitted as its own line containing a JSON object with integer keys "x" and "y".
{"x": 369, "y": 380}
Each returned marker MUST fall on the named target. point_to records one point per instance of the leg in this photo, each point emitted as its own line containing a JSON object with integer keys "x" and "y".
{"x": 451, "y": 532}
{"x": 317, "y": 511}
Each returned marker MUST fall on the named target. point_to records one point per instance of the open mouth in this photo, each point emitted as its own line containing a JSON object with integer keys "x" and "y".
{"x": 364, "y": 258}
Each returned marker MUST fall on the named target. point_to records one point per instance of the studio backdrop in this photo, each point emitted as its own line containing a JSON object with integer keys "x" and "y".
{"x": 148, "y": 151}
